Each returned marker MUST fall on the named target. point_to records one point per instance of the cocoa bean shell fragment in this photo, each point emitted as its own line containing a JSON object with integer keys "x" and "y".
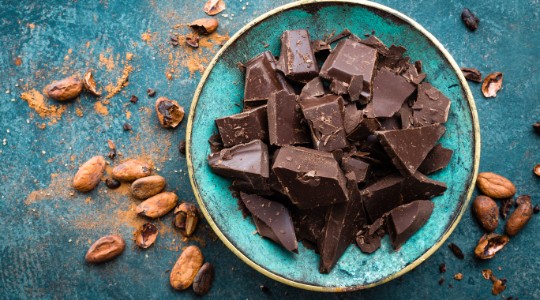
{"x": 472, "y": 74}
{"x": 186, "y": 218}
{"x": 169, "y": 112}
{"x": 489, "y": 245}
{"x": 492, "y": 84}
{"x": 146, "y": 235}
{"x": 456, "y": 250}
{"x": 105, "y": 249}
{"x": 470, "y": 20}
{"x": 205, "y": 25}
{"x": 214, "y": 7}
{"x": 90, "y": 83}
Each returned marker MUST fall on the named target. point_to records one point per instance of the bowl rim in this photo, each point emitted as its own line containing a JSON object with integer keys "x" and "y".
{"x": 425, "y": 255}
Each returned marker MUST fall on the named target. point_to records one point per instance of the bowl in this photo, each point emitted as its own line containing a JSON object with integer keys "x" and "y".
{"x": 220, "y": 93}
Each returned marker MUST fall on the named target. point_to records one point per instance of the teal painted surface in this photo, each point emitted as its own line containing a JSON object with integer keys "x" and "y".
{"x": 37, "y": 261}
{"x": 218, "y": 99}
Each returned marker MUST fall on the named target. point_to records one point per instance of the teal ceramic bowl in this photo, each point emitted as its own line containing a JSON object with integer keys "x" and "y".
{"x": 220, "y": 93}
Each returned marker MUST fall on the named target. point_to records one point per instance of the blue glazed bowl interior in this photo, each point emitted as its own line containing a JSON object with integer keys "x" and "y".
{"x": 222, "y": 94}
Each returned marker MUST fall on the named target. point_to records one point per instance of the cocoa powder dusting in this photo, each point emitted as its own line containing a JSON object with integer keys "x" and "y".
{"x": 122, "y": 81}
{"x": 101, "y": 109}
{"x": 43, "y": 107}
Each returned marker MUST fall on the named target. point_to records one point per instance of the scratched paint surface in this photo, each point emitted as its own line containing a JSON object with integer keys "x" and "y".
{"x": 46, "y": 230}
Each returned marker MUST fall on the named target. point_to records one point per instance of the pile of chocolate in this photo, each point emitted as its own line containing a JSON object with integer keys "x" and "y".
{"x": 334, "y": 144}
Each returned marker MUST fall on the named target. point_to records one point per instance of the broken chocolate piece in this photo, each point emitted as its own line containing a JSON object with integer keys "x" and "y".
{"x": 374, "y": 42}
{"x": 393, "y": 59}
{"x": 334, "y": 38}
{"x": 262, "y": 80}
{"x": 389, "y": 93}
{"x": 342, "y": 223}
{"x": 358, "y": 167}
{"x": 369, "y": 237}
{"x": 325, "y": 119}
{"x": 405, "y": 220}
{"x": 285, "y": 124}
{"x": 393, "y": 123}
{"x": 350, "y": 59}
{"x": 356, "y": 88}
{"x": 275, "y": 216}
{"x": 363, "y": 126}
{"x": 248, "y": 162}
{"x": 412, "y": 75}
{"x": 382, "y": 196}
{"x": 431, "y": 106}
{"x": 309, "y": 223}
{"x": 243, "y": 127}
{"x": 297, "y": 60}
{"x": 469, "y": 19}
{"x": 310, "y": 178}
{"x": 313, "y": 88}
{"x": 338, "y": 87}
{"x": 321, "y": 49}
{"x": 409, "y": 147}
{"x": 437, "y": 159}
{"x": 419, "y": 186}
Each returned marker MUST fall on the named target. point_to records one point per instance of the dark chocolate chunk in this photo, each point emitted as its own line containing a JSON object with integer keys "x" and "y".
{"x": 352, "y": 117}
{"x": 338, "y": 87}
{"x": 412, "y": 75}
{"x": 350, "y": 59}
{"x": 409, "y": 147}
{"x": 285, "y": 124}
{"x": 431, "y": 106}
{"x": 359, "y": 127}
{"x": 393, "y": 123}
{"x": 472, "y": 74}
{"x": 393, "y": 59}
{"x": 389, "y": 93}
{"x": 470, "y": 20}
{"x": 419, "y": 186}
{"x": 248, "y": 162}
{"x": 345, "y": 33}
{"x": 275, "y": 216}
{"x": 342, "y": 223}
{"x": 358, "y": 167}
{"x": 405, "y": 220}
{"x": 356, "y": 89}
{"x": 243, "y": 127}
{"x": 297, "y": 60}
{"x": 310, "y": 178}
{"x": 313, "y": 88}
{"x": 246, "y": 187}
{"x": 406, "y": 115}
{"x": 382, "y": 196}
{"x": 262, "y": 79}
{"x": 216, "y": 144}
{"x": 309, "y": 223}
{"x": 369, "y": 237}
{"x": 325, "y": 119}
{"x": 437, "y": 159}
{"x": 321, "y": 49}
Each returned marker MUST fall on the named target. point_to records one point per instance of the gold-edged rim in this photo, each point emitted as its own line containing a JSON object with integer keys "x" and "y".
{"x": 423, "y": 257}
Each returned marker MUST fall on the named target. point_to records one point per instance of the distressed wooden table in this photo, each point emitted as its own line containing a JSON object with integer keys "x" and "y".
{"x": 47, "y": 227}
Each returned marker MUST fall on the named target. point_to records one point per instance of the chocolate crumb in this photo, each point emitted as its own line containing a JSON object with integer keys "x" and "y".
{"x": 182, "y": 147}
{"x": 192, "y": 40}
{"x": 133, "y": 99}
{"x": 127, "y": 127}
{"x": 112, "y": 183}
{"x": 472, "y": 74}
{"x": 536, "y": 127}
{"x": 441, "y": 281}
{"x": 150, "y": 92}
{"x": 264, "y": 289}
{"x": 456, "y": 250}
{"x": 112, "y": 149}
{"x": 470, "y": 20}
{"x": 174, "y": 40}
{"x": 442, "y": 268}
{"x": 536, "y": 209}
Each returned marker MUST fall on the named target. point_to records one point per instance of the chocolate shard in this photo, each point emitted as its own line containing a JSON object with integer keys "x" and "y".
{"x": 350, "y": 59}
{"x": 248, "y": 162}
{"x": 393, "y": 123}
{"x": 369, "y": 237}
{"x": 262, "y": 79}
{"x": 431, "y": 106}
{"x": 297, "y": 60}
{"x": 357, "y": 126}
{"x": 382, "y": 196}
{"x": 437, "y": 159}
{"x": 392, "y": 58}
{"x": 412, "y": 75}
{"x": 419, "y": 186}
{"x": 374, "y": 42}
{"x": 405, "y": 220}
{"x": 342, "y": 223}
{"x": 321, "y": 49}
{"x": 409, "y": 147}
{"x": 314, "y": 88}
{"x": 309, "y": 177}
{"x": 285, "y": 124}
{"x": 356, "y": 89}
{"x": 309, "y": 223}
{"x": 339, "y": 87}
{"x": 243, "y": 127}
{"x": 406, "y": 115}
{"x": 389, "y": 93}
{"x": 325, "y": 119}
{"x": 358, "y": 167}
{"x": 275, "y": 216}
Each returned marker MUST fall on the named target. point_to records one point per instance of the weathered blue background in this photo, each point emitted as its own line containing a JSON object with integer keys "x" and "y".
{"x": 46, "y": 234}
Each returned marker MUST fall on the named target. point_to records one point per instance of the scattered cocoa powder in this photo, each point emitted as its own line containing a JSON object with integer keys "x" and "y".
{"x": 43, "y": 107}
